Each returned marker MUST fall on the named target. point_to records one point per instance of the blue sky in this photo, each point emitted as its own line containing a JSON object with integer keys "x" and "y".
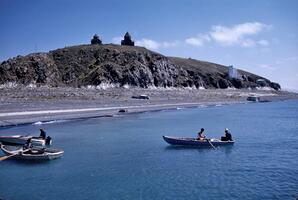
{"x": 260, "y": 36}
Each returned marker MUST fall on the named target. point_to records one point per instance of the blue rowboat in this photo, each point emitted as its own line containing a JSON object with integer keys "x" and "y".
{"x": 196, "y": 143}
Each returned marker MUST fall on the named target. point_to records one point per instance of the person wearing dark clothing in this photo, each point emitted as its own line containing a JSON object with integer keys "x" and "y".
{"x": 48, "y": 140}
{"x": 42, "y": 134}
{"x": 201, "y": 135}
{"x": 227, "y": 137}
{"x": 28, "y": 144}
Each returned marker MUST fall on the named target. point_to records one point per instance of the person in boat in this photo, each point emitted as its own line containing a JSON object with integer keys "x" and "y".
{"x": 227, "y": 137}
{"x": 201, "y": 135}
{"x": 42, "y": 134}
{"x": 48, "y": 140}
{"x": 28, "y": 144}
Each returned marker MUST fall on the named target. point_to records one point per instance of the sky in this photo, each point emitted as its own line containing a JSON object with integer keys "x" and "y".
{"x": 259, "y": 36}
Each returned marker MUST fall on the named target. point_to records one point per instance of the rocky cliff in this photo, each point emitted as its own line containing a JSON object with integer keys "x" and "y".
{"x": 120, "y": 65}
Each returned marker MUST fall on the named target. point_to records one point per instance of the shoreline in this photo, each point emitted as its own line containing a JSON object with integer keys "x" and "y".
{"x": 38, "y": 117}
{"x": 21, "y": 106}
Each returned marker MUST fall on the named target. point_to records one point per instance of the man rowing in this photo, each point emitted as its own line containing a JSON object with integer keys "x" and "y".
{"x": 201, "y": 135}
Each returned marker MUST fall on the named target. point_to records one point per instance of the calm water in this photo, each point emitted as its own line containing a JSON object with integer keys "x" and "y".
{"x": 126, "y": 158}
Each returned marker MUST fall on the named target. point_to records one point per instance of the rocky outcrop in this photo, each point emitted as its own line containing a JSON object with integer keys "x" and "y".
{"x": 211, "y": 75}
{"x": 121, "y": 65}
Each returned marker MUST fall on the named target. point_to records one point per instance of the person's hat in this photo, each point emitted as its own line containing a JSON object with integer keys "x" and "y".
{"x": 226, "y": 129}
{"x": 202, "y": 129}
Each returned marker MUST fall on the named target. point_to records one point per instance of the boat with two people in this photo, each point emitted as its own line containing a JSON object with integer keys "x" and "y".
{"x": 201, "y": 140}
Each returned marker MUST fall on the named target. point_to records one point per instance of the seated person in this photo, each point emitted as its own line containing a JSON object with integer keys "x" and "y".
{"x": 28, "y": 144}
{"x": 42, "y": 134}
{"x": 201, "y": 135}
{"x": 227, "y": 137}
{"x": 48, "y": 140}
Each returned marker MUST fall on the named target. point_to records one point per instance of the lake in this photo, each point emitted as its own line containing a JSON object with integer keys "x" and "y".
{"x": 125, "y": 157}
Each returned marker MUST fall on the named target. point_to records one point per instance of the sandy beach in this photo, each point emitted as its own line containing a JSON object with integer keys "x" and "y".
{"x": 20, "y": 105}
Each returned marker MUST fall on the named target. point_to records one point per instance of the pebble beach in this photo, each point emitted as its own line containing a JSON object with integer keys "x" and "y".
{"x": 21, "y": 105}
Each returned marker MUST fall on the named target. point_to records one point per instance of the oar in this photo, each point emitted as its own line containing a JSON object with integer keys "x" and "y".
{"x": 6, "y": 157}
{"x": 12, "y": 155}
{"x": 208, "y": 140}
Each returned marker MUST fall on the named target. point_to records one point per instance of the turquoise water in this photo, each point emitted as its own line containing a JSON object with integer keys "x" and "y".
{"x": 126, "y": 158}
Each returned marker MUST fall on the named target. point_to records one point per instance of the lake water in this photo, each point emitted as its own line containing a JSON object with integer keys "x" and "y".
{"x": 126, "y": 157}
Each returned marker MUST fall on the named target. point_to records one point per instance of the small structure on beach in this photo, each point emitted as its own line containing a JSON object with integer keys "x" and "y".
{"x": 253, "y": 98}
{"x": 96, "y": 40}
{"x": 232, "y": 72}
{"x": 142, "y": 96}
{"x": 127, "y": 40}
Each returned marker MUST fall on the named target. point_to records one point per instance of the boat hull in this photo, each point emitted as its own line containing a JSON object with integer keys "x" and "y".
{"x": 36, "y": 154}
{"x": 196, "y": 143}
{"x": 21, "y": 140}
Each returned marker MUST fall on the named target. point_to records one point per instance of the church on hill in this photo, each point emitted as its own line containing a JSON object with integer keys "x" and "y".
{"x": 127, "y": 40}
{"x": 96, "y": 40}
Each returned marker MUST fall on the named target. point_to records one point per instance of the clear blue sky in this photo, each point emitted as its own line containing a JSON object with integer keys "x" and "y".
{"x": 260, "y": 36}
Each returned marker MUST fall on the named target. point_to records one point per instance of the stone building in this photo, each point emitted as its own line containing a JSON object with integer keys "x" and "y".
{"x": 96, "y": 40}
{"x": 127, "y": 40}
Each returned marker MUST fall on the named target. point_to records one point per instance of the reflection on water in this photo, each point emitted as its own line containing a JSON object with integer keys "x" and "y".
{"x": 226, "y": 149}
{"x": 30, "y": 162}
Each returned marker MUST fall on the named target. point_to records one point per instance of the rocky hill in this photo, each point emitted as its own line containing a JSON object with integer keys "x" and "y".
{"x": 120, "y": 65}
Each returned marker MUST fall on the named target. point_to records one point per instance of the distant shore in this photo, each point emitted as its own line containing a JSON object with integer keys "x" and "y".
{"x": 22, "y": 105}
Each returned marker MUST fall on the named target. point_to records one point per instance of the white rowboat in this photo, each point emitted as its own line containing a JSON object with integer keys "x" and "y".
{"x": 37, "y": 154}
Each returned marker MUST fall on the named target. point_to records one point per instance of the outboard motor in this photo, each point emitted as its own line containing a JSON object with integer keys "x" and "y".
{"x": 48, "y": 140}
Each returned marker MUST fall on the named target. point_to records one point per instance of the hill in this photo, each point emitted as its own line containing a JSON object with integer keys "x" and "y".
{"x": 84, "y": 65}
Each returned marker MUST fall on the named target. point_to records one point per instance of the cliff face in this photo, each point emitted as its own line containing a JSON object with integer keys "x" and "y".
{"x": 95, "y": 64}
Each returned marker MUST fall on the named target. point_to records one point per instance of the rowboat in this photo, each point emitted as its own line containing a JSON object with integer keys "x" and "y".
{"x": 35, "y": 153}
{"x": 196, "y": 143}
{"x": 21, "y": 140}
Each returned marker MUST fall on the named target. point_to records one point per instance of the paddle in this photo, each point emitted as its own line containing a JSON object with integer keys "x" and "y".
{"x": 208, "y": 140}
{"x": 6, "y": 157}
{"x": 12, "y": 155}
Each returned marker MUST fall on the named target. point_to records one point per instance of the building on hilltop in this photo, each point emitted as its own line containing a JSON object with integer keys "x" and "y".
{"x": 96, "y": 40}
{"x": 232, "y": 72}
{"x": 127, "y": 40}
